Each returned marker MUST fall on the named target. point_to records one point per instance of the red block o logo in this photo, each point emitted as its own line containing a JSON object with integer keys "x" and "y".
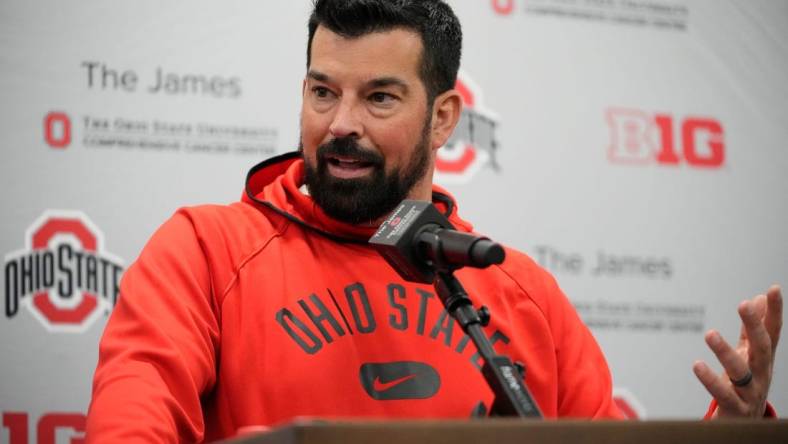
{"x": 503, "y": 7}
{"x": 473, "y": 143}
{"x": 462, "y": 162}
{"x": 42, "y": 301}
{"x": 57, "y": 129}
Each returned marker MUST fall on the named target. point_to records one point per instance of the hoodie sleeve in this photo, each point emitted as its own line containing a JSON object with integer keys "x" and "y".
{"x": 585, "y": 385}
{"x": 159, "y": 349}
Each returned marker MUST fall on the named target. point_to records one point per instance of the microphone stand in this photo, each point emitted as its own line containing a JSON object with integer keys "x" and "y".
{"x": 506, "y": 379}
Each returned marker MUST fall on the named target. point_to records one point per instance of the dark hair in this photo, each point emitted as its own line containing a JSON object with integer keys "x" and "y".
{"x": 433, "y": 20}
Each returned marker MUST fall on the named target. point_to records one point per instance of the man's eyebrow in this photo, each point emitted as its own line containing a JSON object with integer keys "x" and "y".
{"x": 317, "y": 75}
{"x": 380, "y": 82}
{"x": 388, "y": 81}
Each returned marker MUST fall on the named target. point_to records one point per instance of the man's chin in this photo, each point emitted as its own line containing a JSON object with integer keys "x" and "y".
{"x": 347, "y": 189}
{"x": 353, "y": 201}
{"x": 349, "y": 210}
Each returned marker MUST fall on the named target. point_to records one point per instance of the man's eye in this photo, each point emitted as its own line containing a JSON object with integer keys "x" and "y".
{"x": 321, "y": 92}
{"x": 381, "y": 97}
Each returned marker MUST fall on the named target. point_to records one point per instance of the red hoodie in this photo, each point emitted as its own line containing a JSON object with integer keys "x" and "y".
{"x": 260, "y": 311}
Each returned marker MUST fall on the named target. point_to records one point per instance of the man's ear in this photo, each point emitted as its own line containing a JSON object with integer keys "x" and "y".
{"x": 446, "y": 112}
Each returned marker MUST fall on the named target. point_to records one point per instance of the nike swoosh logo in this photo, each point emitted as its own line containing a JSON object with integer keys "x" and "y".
{"x": 380, "y": 386}
{"x": 387, "y": 381}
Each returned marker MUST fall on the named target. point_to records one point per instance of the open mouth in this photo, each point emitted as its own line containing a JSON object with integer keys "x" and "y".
{"x": 346, "y": 167}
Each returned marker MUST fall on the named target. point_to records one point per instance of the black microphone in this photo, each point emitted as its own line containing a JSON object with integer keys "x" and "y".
{"x": 417, "y": 240}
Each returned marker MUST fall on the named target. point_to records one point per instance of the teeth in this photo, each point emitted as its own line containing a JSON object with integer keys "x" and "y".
{"x": 348, "y": 163}
{"x": 345, "y": 163}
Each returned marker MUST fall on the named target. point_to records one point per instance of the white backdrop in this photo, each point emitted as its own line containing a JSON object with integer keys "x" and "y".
{"x": 645, "y": 135}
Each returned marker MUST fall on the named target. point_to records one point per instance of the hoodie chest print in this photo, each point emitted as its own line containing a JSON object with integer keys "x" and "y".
{"x": 321, "y": 319}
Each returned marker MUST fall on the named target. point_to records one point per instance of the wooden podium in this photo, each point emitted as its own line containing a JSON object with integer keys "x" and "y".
{"x": 510, "y": 431}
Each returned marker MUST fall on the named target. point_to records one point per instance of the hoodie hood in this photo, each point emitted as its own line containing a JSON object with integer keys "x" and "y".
{"x": 275, "y": 184}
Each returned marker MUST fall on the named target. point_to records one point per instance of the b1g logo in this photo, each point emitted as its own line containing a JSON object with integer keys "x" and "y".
{"x": 637, "y": 137}
{"x": 64, "y": 277}
{"x": 472, "y": 145}
{"x": 57, "y": 129}
{"x": 50, "y": 426}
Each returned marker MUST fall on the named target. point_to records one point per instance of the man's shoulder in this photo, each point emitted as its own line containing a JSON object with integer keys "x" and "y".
{"x": 530, "y": 277}
{"x": 231, "y": 221}
{"x": 238, "y": 212}
{"x": 522, "y": 265}
{"x": 231, "y": 231}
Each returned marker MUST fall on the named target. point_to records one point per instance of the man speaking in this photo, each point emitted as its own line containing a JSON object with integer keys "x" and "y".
{"x": 277, "y": 306}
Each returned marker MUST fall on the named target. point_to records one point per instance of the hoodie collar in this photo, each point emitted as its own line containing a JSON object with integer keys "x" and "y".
{"x": 275, "y": 184}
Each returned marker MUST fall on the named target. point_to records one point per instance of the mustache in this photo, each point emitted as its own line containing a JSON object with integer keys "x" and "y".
{"x": 348, "y": 147}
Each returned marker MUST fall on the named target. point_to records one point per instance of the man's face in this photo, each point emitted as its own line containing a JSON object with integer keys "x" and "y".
{"x": 365, "y": 124}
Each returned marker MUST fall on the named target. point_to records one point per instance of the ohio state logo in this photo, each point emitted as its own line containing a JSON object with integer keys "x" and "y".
{"x": 473, "y": 144}
{"x": 502, "y": 7}
{"x": 57, "y": 129}
{"x": 64, "y": 277}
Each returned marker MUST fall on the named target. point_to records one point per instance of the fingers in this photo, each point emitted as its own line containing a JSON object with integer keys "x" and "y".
{"x": 759, "y": 342}
{"x": 769, "y": 308}
{"x": 727, "y": 398}
{"x": 761, "y": 326}
{"x": 773, "y": 318}
{"x": 759, "y": 304}
{"x": 735, "y": 366}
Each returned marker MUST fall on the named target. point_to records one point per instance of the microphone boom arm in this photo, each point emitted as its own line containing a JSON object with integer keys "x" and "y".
{"x": 506, "y": 379}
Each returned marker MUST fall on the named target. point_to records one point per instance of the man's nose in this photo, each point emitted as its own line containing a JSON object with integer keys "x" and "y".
{"x": 347, "y": 119}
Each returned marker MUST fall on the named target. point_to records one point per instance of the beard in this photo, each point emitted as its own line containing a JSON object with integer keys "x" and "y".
{"x": 365, "y": 199}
